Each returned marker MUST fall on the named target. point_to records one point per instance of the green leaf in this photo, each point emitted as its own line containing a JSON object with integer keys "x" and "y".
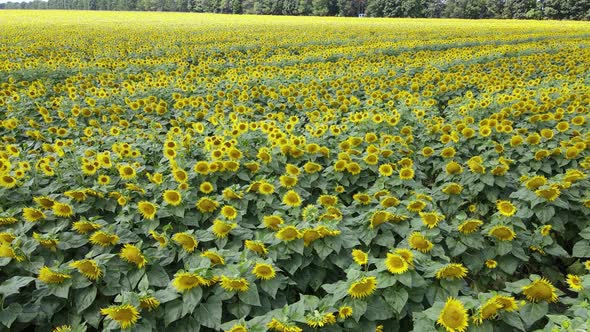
{"x": 9, "y": 315}
{"x": 12, "y": 285}
{"x": 173, "y": 311}
{"x": 581, "y": 249}
{"x": 250, "y": 296}
{"x": 545, "y": 214}
{"x": 271, "y": 286}
{"x": 62, "y": 290}
{"x": 191, "y": 299}
{"x": 377, "y": 309}
{"x": 396, "y": 298}
{"x": 84, "y": 298}
{"x": 209, "y": 313}
{"x": 532, "y": 312}
{"x": 166, "y": 295}
{"x": 512, "y": 319}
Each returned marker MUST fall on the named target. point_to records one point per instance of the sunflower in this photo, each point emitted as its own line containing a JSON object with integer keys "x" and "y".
{"x": 453, "y": 168}
{"x": 7, "y": 251}
{"x": 84, "y": 227}
{"x": 506, "y": 208}
{"x": 33, "y": 215}
{"x": 256, "y": 246}
{"x": 125, "y": 314}
{"x": 62, "y": 210}
{"x": 207, "y": 205}
{"x": 452, "y": 189}
{"x": 229, "y": 212}
{"x": 201, "y": 167}
{"x": 277, "y": 325}
{"x": 311, "y": 167}
{"x": 88, "y": 267}
{"x": 147, "y": 209}
{"x": 431, "y": 219}
{"x": 187, "y": 241}
{"x": 344, "y": 312}
{"x": 396, "y": 264}
{"x": 287, "y": 181}
{"x": 488, "y": 311}
{"x": 316, "y": 319}
{"x": 540, "y": 290}
{"x": 288, "y": 233}
{"x": 448, "y": 152}
{"x": 549, "y": 194}
{"x": 7, "y": 181}
{"x": 272, "y": 222}
{"x": 452, "y": 271}
{"x": 50, "y": 243}
{"x": 266, "y": 188}
{"x": 491, "y": 264}
{"x": 76, "y": 195}
{"x": 237, "y": 328}
{"x": 62, "y": 328}
{"x": 149, "y": 302}
{"x": 545, "y": 230}
{"x": 263, "y": 271}
{"x": 378, "y": 218}
{"x": 309, "y": 235}
{"x": 292, "y": 198}
{"x": 574, "y": 282}
{"x": 353, "y": 168}
{"x": 327, "y": 200}
{"x": 104, "y": 180}
{"x": 49, "y": 276}
{"x": 453, "y": 316}
{"x": 7, "y": 238}
{"x": 234, "y": 284}
{"x": 502, "y": 233}
{"x": 386, "y": 170}
{"x": 104, "y": 239}
{"x": 416, "y": 206}
{"x": 417, "y": 241}
{"x": 206, "y": 187}
{"x": 389, "y": 201}
{"x": 406, "y": 254}
{"x": 214, "y": 257}
{"x": 362, "y": 198}
{"x": 127, "y": 172}
{"x": 184, "y": 281}
{"x": 469, "y": 226}
{"x": 45, "y": 201}
{"x": 406, "y": 173}
{"x": 172, "y": 197}
{"x": 360, "y": 257}
{"x": 7, "y": 220}
{"x": 508, "y": 303}
{"x": 221, "y": 229}
{"x": 362, "y": 288}
{"x": 132, "y": 254}
{"x": 536, "y": 182}
{"x": 180, "y": 175}
{"x": 229, "y": 194}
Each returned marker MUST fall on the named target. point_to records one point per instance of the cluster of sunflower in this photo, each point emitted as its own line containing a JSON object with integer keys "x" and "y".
{"x": 204, "y": 172}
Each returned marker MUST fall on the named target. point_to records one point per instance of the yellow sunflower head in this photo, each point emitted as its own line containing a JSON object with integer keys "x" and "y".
{"x": 540, "y": 290}
{"x": 453, "y": 317}
{"x": 362, "y": 288}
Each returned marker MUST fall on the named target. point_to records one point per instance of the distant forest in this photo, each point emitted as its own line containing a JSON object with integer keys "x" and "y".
{"x": 473, "y": 9}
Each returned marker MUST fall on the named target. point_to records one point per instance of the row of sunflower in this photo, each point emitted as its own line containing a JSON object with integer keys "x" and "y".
{"x": 179, "y": 174}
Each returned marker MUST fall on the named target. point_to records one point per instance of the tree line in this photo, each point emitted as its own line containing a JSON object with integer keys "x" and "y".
{"x": 472, "y": 9}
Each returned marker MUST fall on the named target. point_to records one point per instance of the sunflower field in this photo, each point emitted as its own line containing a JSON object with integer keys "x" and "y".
{"x": 201, "y": 172}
